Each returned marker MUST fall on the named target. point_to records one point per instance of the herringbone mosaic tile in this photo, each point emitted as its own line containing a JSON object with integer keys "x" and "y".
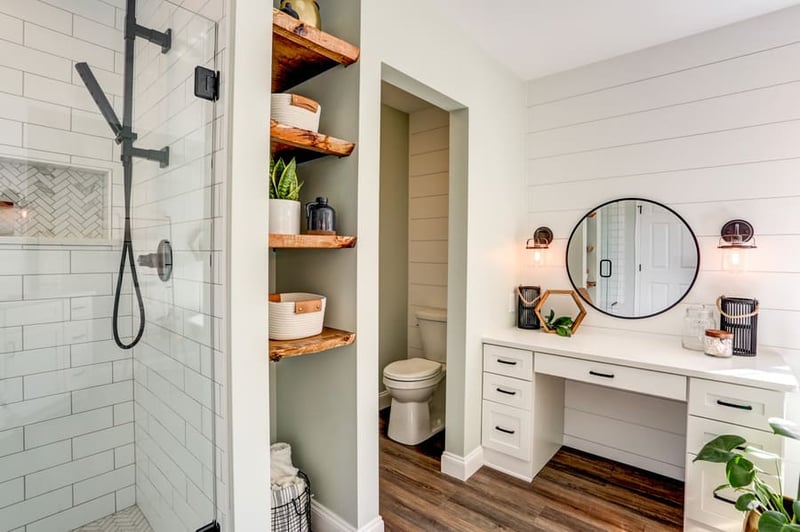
{"x": 128, "y": 520}
{"x": 59, "y": 201}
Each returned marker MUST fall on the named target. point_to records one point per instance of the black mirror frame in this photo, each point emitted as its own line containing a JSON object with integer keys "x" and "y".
{"x": 688, "y": 289}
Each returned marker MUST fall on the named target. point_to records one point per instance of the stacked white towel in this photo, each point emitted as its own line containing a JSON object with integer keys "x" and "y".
{"x": 283, "y": 473}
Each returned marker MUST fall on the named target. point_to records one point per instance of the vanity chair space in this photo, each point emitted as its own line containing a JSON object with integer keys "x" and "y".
{"x": 657, "y": 403}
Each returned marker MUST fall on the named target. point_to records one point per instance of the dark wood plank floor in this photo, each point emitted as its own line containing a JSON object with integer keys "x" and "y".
{"x": 574, "y": 492}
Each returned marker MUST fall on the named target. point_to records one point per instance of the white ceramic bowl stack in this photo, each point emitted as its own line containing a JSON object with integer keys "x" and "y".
{"x": 296, "y": 111}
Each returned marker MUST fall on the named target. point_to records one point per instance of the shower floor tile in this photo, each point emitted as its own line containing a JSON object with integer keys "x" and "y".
{"x": 128, "y": 520}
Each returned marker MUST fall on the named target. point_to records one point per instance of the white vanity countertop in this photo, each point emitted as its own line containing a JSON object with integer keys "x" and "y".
{"x": 656, "y": 352}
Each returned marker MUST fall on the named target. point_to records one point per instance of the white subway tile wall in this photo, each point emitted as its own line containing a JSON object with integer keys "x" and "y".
{"x": 428, "y": 184}
{"x": 67, "y": 412}
{"x": 174, "y": 381}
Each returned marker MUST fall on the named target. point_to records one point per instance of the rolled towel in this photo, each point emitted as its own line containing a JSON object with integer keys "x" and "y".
{"x": 282, "y": 471}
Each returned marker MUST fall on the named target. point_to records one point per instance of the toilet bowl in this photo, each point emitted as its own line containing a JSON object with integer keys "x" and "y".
{"x": 416, "y": 384}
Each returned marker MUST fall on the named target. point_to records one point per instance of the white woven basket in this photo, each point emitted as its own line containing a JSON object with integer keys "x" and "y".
{"x": 296, "y": 111}
{"x": 295, "y": 315}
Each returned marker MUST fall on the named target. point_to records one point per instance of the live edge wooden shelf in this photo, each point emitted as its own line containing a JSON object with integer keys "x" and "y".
{"x": 311, "y": 241}
{"x": 304, "y": 145}
{"x": 300, "y": 51}
{"x": 328, "y": 339}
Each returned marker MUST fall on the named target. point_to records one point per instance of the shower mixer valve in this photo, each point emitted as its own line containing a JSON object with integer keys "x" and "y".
{"x": 161, "y": 260}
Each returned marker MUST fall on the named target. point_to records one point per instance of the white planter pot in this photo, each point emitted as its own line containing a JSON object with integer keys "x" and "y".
{"x": 284, "y": 217}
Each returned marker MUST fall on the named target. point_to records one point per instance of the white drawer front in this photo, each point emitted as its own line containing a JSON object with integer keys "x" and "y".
{"x": 702, "y": 477}
{"x": 507, "y": 390}
{"x": 742, "y": 405}
{"x": 507, "y": 430}
{"x": 516, "y": 363}
{"x": 630, "y": 379}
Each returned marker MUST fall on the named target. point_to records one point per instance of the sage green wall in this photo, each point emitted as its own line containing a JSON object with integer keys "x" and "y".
{"x": 316, "y": 394}
{"x": 393, "y": 258}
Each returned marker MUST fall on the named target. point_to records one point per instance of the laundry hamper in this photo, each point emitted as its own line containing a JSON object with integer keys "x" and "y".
{"x": 291, "y": 507}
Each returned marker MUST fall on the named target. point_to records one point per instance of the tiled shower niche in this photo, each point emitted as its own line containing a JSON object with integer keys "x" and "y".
{"x": 43, "y": 200}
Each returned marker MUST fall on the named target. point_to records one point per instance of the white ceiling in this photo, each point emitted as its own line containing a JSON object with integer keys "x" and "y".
{"x": 535, "y": 38}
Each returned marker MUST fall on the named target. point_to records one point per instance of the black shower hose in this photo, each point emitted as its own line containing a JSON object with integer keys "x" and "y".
{"x": 127, "y": 252}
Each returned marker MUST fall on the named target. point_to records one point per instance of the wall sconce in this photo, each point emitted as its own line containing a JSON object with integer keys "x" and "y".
{"x": 735, "y": 238}
{"x": 541, "y": 240}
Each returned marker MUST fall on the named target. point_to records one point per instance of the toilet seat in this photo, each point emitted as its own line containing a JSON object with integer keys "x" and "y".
{"x": 412, "y": 370}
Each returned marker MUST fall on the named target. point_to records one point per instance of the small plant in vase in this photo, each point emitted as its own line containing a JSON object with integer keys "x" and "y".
{"x": 561, "y": 325}
{"x": 284, "y": 197}
{"x": 768, "y": 510}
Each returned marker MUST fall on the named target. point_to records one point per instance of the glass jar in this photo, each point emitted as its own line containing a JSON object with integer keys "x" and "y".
{"x": 698, "y": 318}
{"x": 717, "y": 343}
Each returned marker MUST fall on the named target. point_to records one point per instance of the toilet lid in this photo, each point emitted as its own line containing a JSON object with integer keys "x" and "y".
{"x": 412, "y": 369}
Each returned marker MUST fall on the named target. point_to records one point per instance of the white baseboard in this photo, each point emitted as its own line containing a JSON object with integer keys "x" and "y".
{"x": 384, "y": 400}
{"x": 462, "y": 467}
{"x": 324, "y": 520}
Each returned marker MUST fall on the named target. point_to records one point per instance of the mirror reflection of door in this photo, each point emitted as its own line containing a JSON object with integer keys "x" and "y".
{"x": 632, "y": 258}
{"x": 666, "y": 263}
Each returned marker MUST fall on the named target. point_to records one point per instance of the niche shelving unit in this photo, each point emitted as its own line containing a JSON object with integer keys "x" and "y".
{"x": 300, "y": 52}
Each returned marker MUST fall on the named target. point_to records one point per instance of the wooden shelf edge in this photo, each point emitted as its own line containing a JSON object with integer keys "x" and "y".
{"x": 291, "y": 137}
{"x": 315, "y": 40}
{"x": 311, "y": 241}
{"x": 328, "y": 339}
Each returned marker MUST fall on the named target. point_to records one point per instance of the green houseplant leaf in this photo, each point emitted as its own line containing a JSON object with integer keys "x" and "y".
{"x": 776, "y": 522}
{"x": 283, "y": 181}
{"x": 747, "y": 501}
{"x": 740, "y": 471}
{"x": 719, "y": 449}
{"x": 785, "y": 428}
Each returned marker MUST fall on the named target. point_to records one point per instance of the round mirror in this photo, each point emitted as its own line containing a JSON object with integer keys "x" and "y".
{"x": 632, "y": 258}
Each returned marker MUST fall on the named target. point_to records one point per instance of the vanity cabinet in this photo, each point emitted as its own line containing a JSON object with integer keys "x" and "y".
{"x": 524, "y": 373}
{"x": 507, "y": 405}
{"x": 717, "y": 408}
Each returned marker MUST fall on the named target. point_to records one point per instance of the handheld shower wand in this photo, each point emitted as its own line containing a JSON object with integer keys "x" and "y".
{"x": 125, "y": 136}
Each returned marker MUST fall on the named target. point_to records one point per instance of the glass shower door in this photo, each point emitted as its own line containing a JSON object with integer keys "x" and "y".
{"x": 173, "y": 364}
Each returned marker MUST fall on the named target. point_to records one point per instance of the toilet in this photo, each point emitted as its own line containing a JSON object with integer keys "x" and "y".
{"x": 416, "y": 385}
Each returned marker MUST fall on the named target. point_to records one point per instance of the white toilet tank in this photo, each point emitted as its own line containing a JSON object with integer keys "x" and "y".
{"x": 433, "y": 332}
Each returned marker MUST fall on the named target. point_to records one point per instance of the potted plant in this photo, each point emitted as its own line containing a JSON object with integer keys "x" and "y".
{"x": 284, "y": 197}
{"x": 767, "y": 508}
{"x": 561, "y": 325}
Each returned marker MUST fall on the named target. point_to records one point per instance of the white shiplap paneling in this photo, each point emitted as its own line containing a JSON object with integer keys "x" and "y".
{"x": 707, "y": 125}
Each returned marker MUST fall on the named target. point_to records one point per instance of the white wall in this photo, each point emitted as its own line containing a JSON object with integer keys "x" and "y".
{"x": 428, "y": 182}
{"x": 66, "y": 410}
{"x": 707, "y": 125}
{"x": 393, "y": 306}
{"x": 486, "y": 100}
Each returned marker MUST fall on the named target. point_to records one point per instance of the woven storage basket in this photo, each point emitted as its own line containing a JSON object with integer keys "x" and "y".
{"x": 296, "y": 111}
{"x": 295, "y": 315}
{"x": 291, "y": 507}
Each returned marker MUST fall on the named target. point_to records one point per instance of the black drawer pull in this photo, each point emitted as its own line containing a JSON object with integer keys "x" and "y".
{"x": 604, "y": 375}
{"x": 720, "y": 402}
{"x": 505, "y": 391}
{"x": 723, "y": 499}
{"x": 501, "y": 429}
{"x": 507, "y": 362}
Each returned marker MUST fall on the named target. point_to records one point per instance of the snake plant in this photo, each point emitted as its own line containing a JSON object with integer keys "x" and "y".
{"x": 283, "y": 183}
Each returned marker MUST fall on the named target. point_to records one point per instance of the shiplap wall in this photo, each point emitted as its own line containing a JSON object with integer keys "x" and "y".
{"x": 427, "y": 216}
{"x": 708, "y": 125}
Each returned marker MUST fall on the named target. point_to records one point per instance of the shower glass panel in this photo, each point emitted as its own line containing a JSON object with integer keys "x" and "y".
{"x": 91, "y": 434}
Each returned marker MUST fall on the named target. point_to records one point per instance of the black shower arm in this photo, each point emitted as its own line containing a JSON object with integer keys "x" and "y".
{"x": 100, "y": 99}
